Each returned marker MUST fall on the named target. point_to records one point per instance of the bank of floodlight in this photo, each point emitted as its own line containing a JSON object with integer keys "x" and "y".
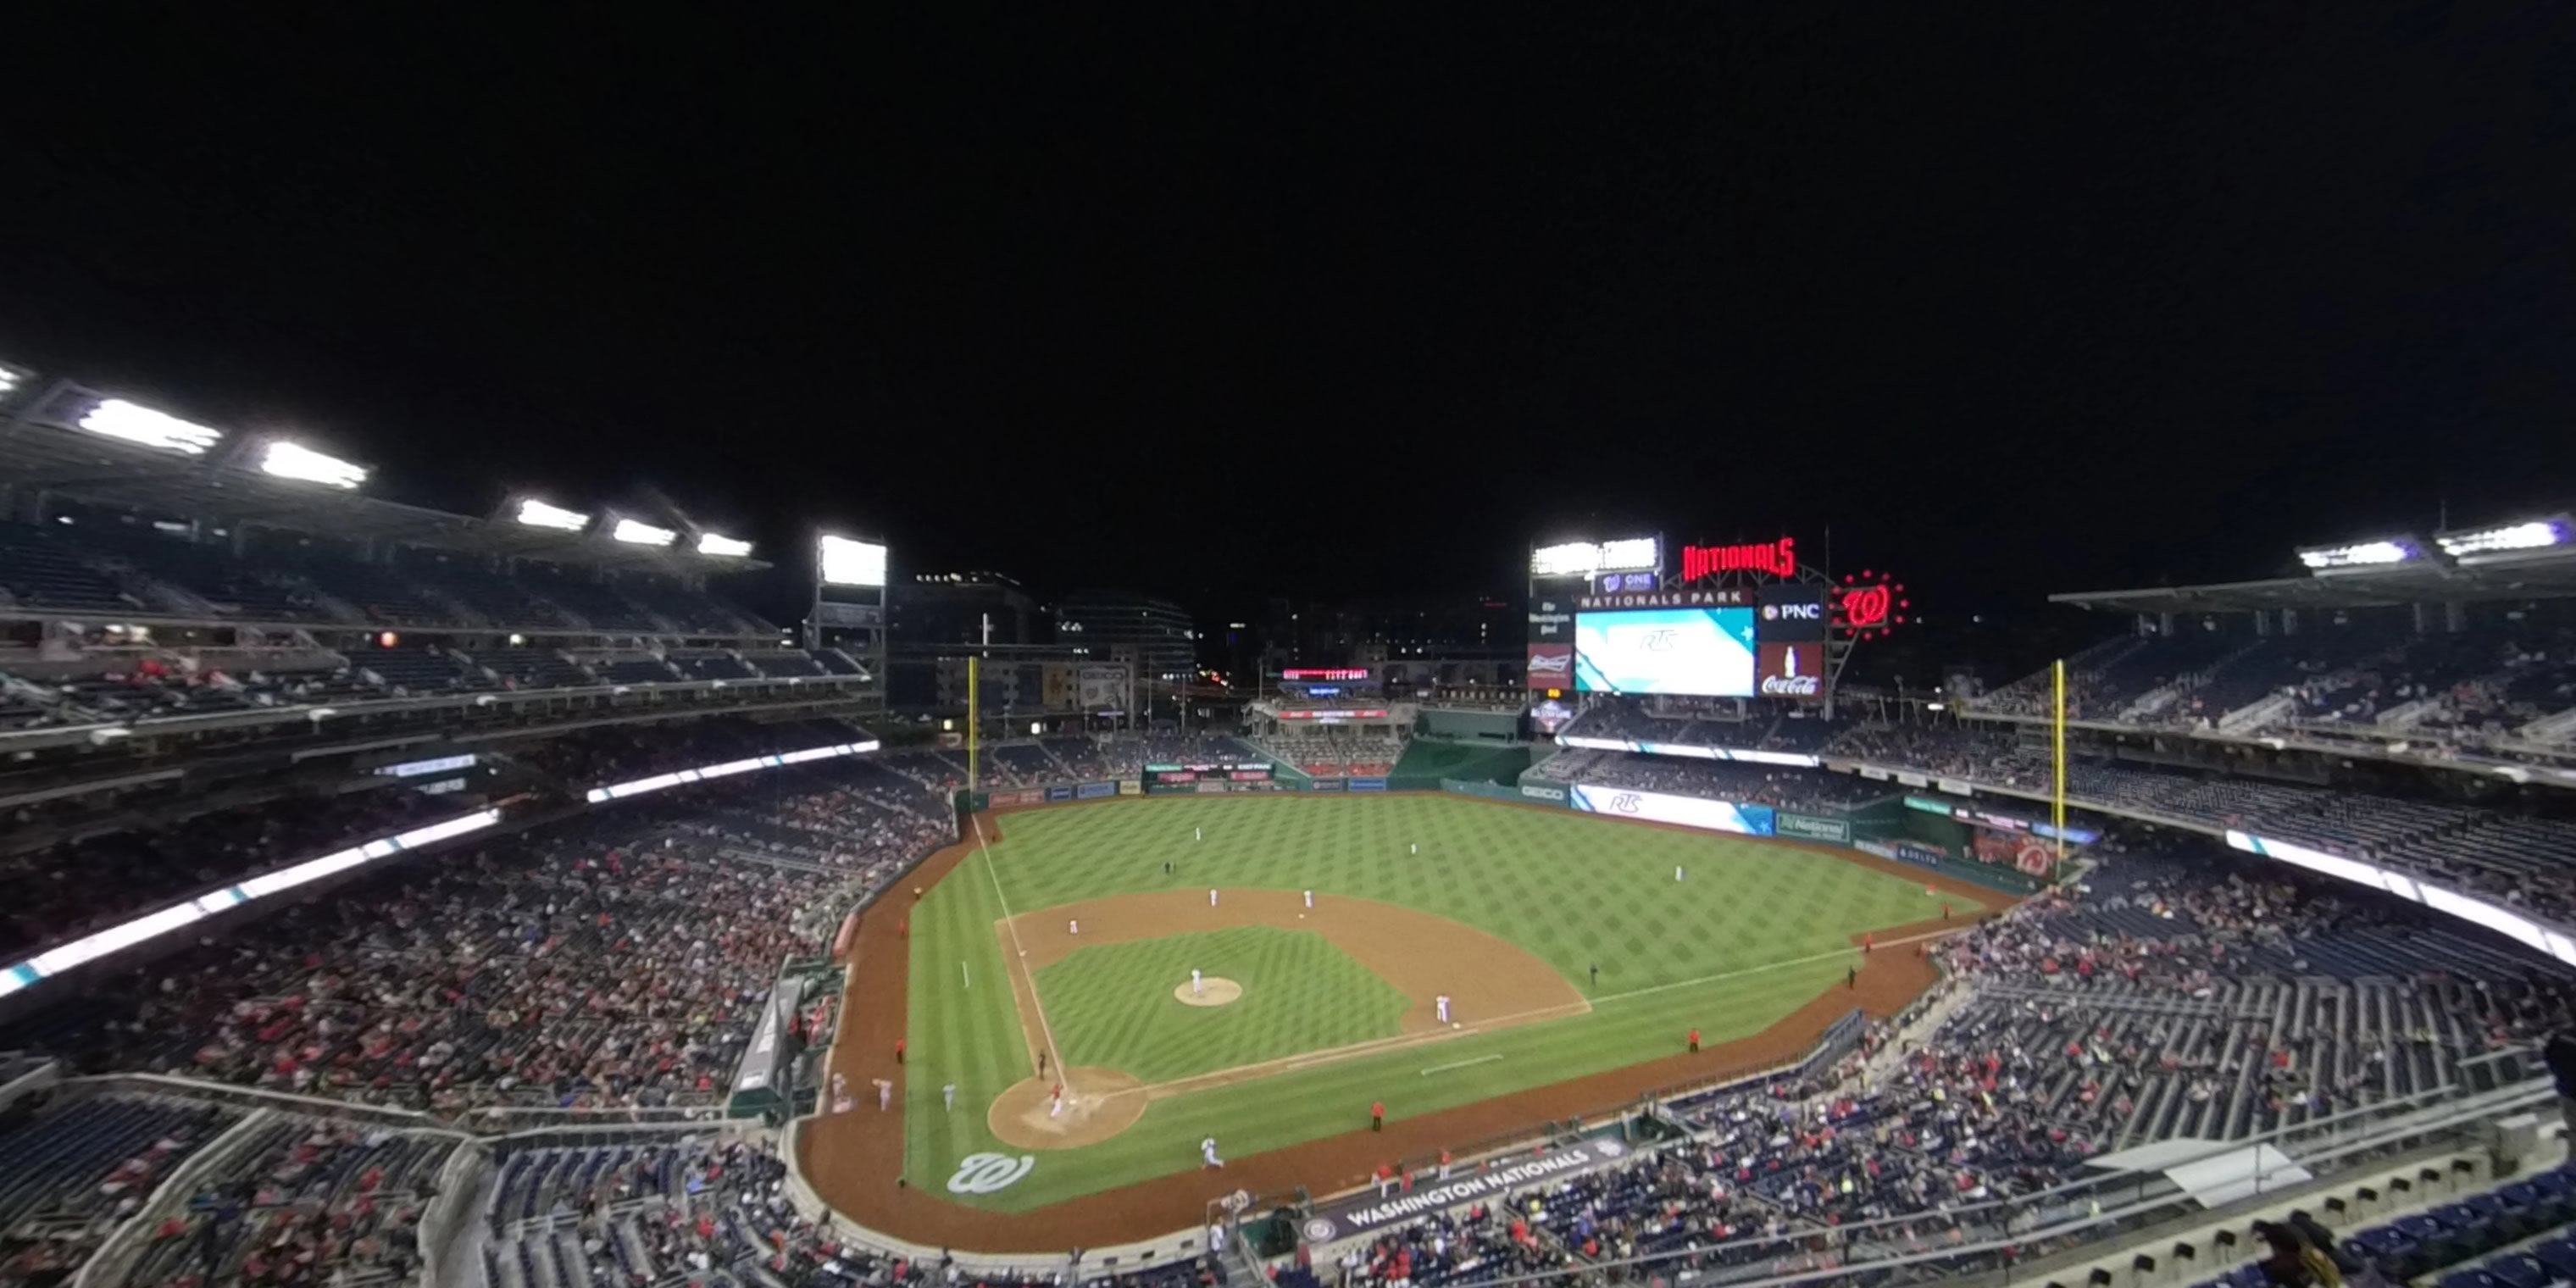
{"x": 117, "y": 418}
{"x": 638, "y": 533}
{"x": 538, "y": 514}
{"x": 2362, "y": 554}
{"x": 2537, "y": 534}
{"x": 726, "y": 547}
{"x": 290, "y": 460}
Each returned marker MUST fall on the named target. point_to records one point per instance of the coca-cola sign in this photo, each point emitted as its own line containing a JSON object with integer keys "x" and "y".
{"x": 1786, "y": 670}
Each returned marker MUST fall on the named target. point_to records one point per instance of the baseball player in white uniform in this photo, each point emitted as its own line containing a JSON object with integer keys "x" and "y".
{"x": 1194, "y": 982}
{"x": 1441, "y": 1003}
{"x": 1310, "y": 901}
{"x": 1073, "y": 926}
{"x": 1207, "y": 1153}
{"x": 1211, "y": 898}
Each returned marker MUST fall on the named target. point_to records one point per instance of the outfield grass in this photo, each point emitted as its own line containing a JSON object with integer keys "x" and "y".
{"x": 1299, "y": 994}
{"x": 1752, "y": 932}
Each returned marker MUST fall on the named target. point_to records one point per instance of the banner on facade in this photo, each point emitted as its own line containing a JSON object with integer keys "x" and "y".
{"x": 1811, "y": 827}
{"x": 1366, "y": 1213}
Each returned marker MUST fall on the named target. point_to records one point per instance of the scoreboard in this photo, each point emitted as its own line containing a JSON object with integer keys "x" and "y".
{"x": 1194, "y": 775}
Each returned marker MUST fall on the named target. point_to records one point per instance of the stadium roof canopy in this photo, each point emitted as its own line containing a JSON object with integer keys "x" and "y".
{"x": 2533, "y": 559}
{"x": 39, "y": 454}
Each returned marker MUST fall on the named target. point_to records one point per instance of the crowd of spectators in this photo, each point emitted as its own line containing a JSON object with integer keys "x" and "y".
{"x": 1710, "y": 723}
{"x": 1805, "y": 790}
{"x": 660, "y": 1209}
{"x": 619, "y": 960}
{"x": 586, "y": 758}
{"x": 1337, "y": 754}
{"x": 307, "y": 1202}
{"x": 1483, "y": 1242}
{"x": 96, "y": 878}
{"x": 2176, "y": 992}
{"x": 105, "y": 563}
{"x": 2473, "y": 686}
{"x": 130, "y": 686}
{"x": 2512, "y": 857}
{"x": 71, "y": 1174}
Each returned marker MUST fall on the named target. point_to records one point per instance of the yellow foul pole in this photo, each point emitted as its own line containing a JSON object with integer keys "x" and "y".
{"x": 974, "y": 715}
{"x": 2057, "y": 798}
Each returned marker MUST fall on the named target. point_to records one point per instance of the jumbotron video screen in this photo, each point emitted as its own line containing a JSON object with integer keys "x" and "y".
{"x": 1772, "y": 648}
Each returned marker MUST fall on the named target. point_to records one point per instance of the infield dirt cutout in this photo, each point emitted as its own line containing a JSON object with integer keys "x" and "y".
{"x": 1209, "y": 992}
{"x": 1097, "y": 1106}
{"x": 1491, "y": 982}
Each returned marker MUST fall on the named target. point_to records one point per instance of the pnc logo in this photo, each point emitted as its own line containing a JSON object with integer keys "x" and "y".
{"x": 1803, "y": 612}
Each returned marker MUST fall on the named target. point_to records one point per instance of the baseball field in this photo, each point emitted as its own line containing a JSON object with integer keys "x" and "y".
{"x": 1568, "y": 951}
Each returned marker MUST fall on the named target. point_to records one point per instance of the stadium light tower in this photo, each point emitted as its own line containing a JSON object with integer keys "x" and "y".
{"x": 849, "y": 611}
{"x": 11, "y": 378}
{"x": 291, "y": 460}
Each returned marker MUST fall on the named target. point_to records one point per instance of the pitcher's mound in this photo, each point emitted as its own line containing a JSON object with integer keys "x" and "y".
{"x": 1098, "y": 1104}
{"x": 1211, "y": 992}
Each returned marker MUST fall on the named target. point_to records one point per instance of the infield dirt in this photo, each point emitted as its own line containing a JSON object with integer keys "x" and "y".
{"x": 854, "y": 1160}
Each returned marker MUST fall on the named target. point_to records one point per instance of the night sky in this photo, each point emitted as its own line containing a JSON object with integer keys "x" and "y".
{"x": 1313, "y": 301}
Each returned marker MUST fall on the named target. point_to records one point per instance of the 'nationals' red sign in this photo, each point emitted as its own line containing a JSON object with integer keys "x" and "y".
{"x": 1775, "y": 558}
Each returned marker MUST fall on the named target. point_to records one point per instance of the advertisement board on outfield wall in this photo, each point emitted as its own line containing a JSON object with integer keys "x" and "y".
{"x": 1908, "y": 851}
{"x": 1551, "y": 666}
{"x": 1552, "y": 795}
{"x": 1685, "y": 811}
{"x": 1061, "y": 792}
{"x": 1094, "y": 791}
{"x": 1810, "y": 827}
{"x": 1368, "y": 784}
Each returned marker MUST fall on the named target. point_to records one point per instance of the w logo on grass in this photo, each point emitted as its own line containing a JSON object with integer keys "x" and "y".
{"x": 987, "y": 1173}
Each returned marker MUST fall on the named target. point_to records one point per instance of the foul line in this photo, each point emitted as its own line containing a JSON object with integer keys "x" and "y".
{"x": 1487, "y": 1058}
{"x": 1374, "y": 1046}
{"x": 1045, "y": 1030}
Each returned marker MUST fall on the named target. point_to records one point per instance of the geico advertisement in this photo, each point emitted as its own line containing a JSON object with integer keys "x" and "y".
{"x": 1688, "y": 811}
